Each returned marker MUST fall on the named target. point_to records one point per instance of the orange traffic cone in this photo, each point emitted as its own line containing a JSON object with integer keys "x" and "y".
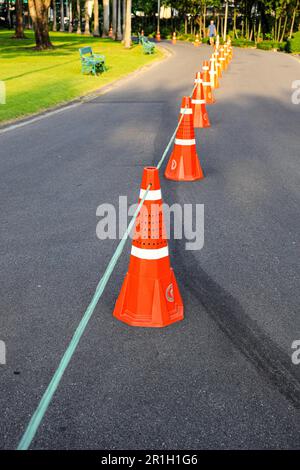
{"x": 174, "y": 38}
{"x": 110, "y": 33}
{"x": 200, "y": 116}
{"x": 208, "y": 96}
{"x": 149, "y": 295}
{"x": 157, "y": 36}
{"x": 226, "y": 55}
{"x": 218, "y": 64}
{"x": 183, "y": 164}
{"x": 142, "y": 33}
{"x": 222, "y": 59}
{"x": 213, "y": 73}
{"x": 197, "y": 42}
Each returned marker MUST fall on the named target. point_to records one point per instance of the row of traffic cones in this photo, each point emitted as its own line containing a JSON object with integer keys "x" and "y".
{"x": 150, "y": 296}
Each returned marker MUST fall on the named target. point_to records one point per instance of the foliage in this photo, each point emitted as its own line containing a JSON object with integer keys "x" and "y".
{"x": 293, "y": 44}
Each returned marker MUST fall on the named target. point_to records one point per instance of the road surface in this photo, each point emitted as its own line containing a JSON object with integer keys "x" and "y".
{"x": 222, "y": 378}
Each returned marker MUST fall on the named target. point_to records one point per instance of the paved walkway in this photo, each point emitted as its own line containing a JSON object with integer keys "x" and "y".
{"x": 223, "y": 378}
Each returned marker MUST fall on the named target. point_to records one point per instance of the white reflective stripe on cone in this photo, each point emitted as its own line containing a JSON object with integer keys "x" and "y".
{"x": 151, "y": 253}
{"x": 206, "y": 83}
{"x": 198, "y": 101}
{"x": 222, "y": 58}
{"x": 198, "y": 80}
{"x": 185, "y": 141}
{"x": 212, "y": 72}
{"x": 186, "y": 111}
{"x": 154, "y": 195}
{"x": 205, "y": 67}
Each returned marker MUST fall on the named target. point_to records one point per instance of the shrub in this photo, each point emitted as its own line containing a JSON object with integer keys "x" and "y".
{"x": 269, "y": 45}
{"x": 242, "y": 43}
{"x": 293, "y": 44}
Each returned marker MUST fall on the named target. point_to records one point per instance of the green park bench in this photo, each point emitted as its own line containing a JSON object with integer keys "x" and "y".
{"x": 91, "y": 62}
{"x": 148, "y": 47}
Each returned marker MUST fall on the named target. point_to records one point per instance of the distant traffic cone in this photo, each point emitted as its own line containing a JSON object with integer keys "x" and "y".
{"x": 157, "y": 36}
{"x": 110, "y": 33}
{"x": 222, "y": 59}
{"x": 142, "y": 33}
{"x": 208, "y": 96}
{"x": 174, "y": 38}
{"x": 184, "y": 164}
{"x": 200, "y": 116}
{"x": 149, "y": 295}
{"x": 226, "y": 55}
{"x": 213, "y": 73}
{"x": 217, "y": 42}
{"x": 197, "y": 42}
{"x": 218, "y": 65}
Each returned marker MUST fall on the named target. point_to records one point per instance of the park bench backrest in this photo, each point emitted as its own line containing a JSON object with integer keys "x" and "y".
{"x": 85, "y": 50}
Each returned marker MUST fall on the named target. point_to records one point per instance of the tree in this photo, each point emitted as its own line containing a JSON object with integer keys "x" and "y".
{"x": 86, "y": 19}
{"x": 105, "y": 29}
{"x": 96, "y": 18}
{"x": 54, "y": 26}
{"x": 127, "y": 32}
{"x": 70, "y": 16}
{"x": 19, "y": 34}
{"x": 62, "y": 16}
{"x": 78, "y": 17}
{"x": 114, "y": 17}
{"x": 39, "y": 15}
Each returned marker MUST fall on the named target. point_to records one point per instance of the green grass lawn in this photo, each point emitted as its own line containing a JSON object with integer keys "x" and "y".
{"x": 38, "y": 80}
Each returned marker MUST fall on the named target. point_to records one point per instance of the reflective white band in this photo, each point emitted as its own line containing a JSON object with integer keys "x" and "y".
{"x": 206, "y": 83}
{"x": 151, "y": 253}
{"x": 205, "y": 67}
{"x": 186, "y": 111}
{"x": 185, "y": 141}
{"x": 153, "y": 195}
{"x": 212, "y": 72}
{"x": 198, "y": 80}
{"x": 222, "y": 58}
{"x": 198, "y": 101}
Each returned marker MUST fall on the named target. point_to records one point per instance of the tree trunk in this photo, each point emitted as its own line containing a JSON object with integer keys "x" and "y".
{"x": 293, "y": 19}
{"x": 62, "y": 16}
{"x": 234, "y": 25}
{"x": 279, "y": 29}
{"x": 86, "y": 19}
{"x": 204, "y": 21}
{"x": 19, "y": 34}
{"x": 127, "y": 35}
{"x": 119, "y": 31}
{"x": 54, "y": 27}
{"x": 96, "y": 18}
{"x": 114, "y": 17}
{"x": 105, "y": 30}
{"x": 123, "y": 18}
{"x": 8, "y": 16}
{"x": 284, "y": 28}
{"x": 185, "y": 25}
{"x": 225, "y": 21}
{"x": 70, "y": 17}
{"x": 39, "y": 15}
{"x": 78, "y": 17}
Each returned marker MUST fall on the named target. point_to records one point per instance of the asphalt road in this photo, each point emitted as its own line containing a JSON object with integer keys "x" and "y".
{"x": 222, "y": 378}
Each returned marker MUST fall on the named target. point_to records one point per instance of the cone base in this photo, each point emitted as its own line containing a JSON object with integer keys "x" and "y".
{"x": 183, "y": 167}
{"x": 149, "y": 302}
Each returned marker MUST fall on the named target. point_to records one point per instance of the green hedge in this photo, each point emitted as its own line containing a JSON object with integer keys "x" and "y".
{"x": 269, "y": 45}
{"x": 293, "y": 44}
{"x": 242, "y": 43}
